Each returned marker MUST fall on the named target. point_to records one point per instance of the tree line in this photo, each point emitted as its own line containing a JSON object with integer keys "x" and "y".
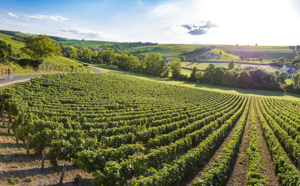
{"x": 41, "y": 47}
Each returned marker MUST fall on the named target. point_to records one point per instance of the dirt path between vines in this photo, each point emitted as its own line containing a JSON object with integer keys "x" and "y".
{"x": 267, "y": 163}
{"x": 16, "y": 168}
{"x": 239, "y": 174}
{"x": 190, "y": 180}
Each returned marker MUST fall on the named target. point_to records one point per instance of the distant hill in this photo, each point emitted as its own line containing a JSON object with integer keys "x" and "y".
{"x": 231, "y": 52}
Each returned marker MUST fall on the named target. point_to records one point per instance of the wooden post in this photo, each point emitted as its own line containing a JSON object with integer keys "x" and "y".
{"x": 27, "y": 146}
{"x": 8, "y": 124}
{"x": 62, "y": 175}
{"x": 3, "y": 117}
{"x": 43, "y": 159}
{"x": 16, "y": 133}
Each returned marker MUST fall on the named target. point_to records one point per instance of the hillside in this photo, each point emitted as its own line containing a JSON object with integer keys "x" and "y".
{"x": 22, "y": 64}
{"x": 87, "y": 43}
{"x": 15, "y": 44}
{"x": 267, "y": 52}
{"x": 232, "y": 52}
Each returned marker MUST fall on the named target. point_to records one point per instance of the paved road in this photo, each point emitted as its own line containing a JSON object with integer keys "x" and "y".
{"x": 17, "y": 79}
{"x": 96, "y": 70}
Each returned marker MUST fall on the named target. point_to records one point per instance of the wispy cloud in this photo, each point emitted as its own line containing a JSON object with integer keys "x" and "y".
{"x": 140, "y": 3}
{"x": 12, "y": 15}
{"x": 46, "y": 17}
{"x": 85, "y": 33}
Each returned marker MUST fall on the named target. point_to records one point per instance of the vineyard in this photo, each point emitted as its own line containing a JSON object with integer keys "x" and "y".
{"x": 128, "y": 131}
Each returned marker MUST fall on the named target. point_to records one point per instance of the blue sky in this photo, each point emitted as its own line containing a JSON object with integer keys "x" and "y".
{"x": 266, "y": 22}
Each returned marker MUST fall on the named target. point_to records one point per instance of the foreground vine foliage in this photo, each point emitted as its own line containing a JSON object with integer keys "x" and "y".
{"x": 128, "y": 131}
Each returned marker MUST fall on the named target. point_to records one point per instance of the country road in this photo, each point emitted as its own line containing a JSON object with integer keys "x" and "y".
{"x": 18, "y": 79}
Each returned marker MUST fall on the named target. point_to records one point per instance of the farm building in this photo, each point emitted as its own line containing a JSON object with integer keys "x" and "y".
{"x": 287, "y": 68}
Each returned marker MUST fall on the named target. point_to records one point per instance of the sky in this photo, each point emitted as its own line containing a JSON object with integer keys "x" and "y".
{"x": 243, "y": 22}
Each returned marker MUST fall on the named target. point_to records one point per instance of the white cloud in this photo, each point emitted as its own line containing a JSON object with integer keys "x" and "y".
{"x": 85, "y": 33}
{"x": 12, "y": 15}
{"x": 46, "y": 17}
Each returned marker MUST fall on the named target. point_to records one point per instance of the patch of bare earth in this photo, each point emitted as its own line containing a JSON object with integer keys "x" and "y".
{"x": 238, "y": 176}
{"x": 267, "y": 163}
{"x": 16, "y": 168}
{"x": 197, "y": 174}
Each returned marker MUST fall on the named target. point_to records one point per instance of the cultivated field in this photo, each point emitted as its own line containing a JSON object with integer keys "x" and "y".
{"x": 129, "y": 131}
{"x": 231, "y": 52}
{"x": 203, "y": 65}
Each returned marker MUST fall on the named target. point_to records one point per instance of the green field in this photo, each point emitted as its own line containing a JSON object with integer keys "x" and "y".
{"x": 15, "y": 44}
{"x": 188, "y": 66}
{"x": 267, "y": 52}
{"x": 87, "y": 43}
{"x": 168, "y": 50}
{"x": 232, "y": 52}
{"x": 203, "y": 86}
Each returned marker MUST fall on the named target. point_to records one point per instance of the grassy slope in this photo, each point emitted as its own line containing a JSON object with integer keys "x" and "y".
{"x": 15, "y": 44}
{"x": 62, "y": 61}
{"x": 232, "y": 51}
{"x": 267, "y": 52}
{"x": 59, "y": 61}
{"x": 169, "y": 50}
{"x": 260, "y": 93}
{"x": 88, "y": 43}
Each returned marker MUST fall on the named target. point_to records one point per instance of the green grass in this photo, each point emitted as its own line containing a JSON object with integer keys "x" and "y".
{"x": 15, "y": 44}
{"x": 202, "y": 65}
{"x": 87, "y": 43}
{"x": 168, "y": 50}
{"x": 62, "y": 61}
{"x": 257, "y": 93}
{"x": 267, "y": 52}
{"x": 231, "y": 51}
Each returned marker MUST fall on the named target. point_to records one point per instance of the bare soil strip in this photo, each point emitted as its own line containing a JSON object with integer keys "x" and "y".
{"x": 192, "y": 178}
{"x": 268, "y": 168}
{"x": 239, "y": 174}
{"x": 19, "y": 169}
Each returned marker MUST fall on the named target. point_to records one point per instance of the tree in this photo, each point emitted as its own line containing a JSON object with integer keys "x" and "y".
{"x": 208, "y": 73}
{"x": 297, "y": 49}
{"x": 241, "y": 58}
{"x": 41, "y": 47}
{"x": 195, "y": 75}
{"x": 282, "y": 77}
{"x": 231, "y": 65}
{"x": 71, "y": 52}
{"x": 217, "y": 75}
{"x": 281, "y": 61}
{"x": 296, "y": 81}
{"x": 5, "y": 50}
{"x": 107, "y": 56}
{"x": 195, "y": 59}
{"x": 154, "y": 64}
{"x": 277, "y": 72}
{"x": 87, "y": 55}
{"x": 244, "y": 79}
{"x": 175, "y": 66}
{"x": 260, "y": 59}
{"x": 182, "y": 58}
